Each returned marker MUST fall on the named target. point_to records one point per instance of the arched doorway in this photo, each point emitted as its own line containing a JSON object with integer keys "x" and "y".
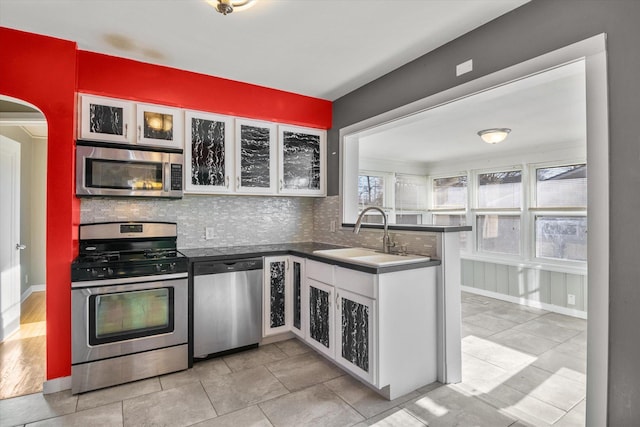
{"x": 23, "y": 341}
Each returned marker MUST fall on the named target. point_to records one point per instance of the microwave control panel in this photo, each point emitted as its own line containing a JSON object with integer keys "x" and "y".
{"x": 176, "y": 177}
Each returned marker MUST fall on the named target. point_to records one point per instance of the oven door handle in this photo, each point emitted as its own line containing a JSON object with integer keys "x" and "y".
{"x": 128, "y": 280}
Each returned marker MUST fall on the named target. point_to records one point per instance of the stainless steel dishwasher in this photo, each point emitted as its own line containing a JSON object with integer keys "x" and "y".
{"x": 227, "y": 305}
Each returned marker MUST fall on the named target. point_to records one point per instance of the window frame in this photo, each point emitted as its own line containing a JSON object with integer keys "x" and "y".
{"x": 533, "y": 211}
{"x": 475, "y": 211}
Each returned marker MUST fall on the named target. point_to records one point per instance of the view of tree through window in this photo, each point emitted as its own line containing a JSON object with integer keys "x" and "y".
{"x": 370, "y": 190}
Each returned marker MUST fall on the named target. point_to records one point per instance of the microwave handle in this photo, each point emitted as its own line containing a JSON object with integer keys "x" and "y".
{"x": 166, "y": 172}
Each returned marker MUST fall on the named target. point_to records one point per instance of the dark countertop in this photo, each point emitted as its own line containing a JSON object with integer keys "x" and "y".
{"x": 413, "y": 227}
{"x": 304, "y": 250}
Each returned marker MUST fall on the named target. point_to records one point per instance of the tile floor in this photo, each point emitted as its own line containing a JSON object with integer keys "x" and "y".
{"x": 521, "y": 367}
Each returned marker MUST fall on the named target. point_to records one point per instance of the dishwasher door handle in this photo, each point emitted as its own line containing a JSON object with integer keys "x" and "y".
{"x": 219, "y": 267}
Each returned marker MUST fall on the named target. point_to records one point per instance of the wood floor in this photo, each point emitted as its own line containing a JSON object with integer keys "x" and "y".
{"x": 22, "y": 355}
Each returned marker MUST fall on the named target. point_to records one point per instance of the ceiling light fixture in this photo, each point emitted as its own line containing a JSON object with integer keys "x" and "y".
{"x": 225, "y": 7}
{"x": 494, "y": 136}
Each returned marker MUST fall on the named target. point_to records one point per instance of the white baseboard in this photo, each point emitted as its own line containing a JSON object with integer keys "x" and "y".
{"x": 529, "y": 303}
{"x": 57, "y": 384}
{"x": 31, "y": 289}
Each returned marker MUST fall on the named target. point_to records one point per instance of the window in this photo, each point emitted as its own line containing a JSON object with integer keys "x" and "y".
{"x": 560, "y": 202}
{"x": 500, "y": 189}
{"x": 411, "y": 192}
{"x": 371, "y": 190}
{"x": 561, "y": 186}
{"x": 449, "y": 193}
{"x": 497, "y": 215}
{"x": 402, "y": 196}
{"x": 498, "y": 233}
{"x": 561, "y": 237}
{"x": 410, "y": 198}
{"x": 449, "y": 219}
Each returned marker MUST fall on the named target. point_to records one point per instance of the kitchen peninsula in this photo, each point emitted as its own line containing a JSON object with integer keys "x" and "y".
{"x": 393, "y": 326}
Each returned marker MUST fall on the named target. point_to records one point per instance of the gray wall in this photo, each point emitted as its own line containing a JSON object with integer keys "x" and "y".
{"x": 529, "y": 31}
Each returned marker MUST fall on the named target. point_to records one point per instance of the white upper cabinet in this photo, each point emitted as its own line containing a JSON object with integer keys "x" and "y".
{"x": 105, "y": 119}
{"x": 302, "y": 161}
{"x": 115, "y": 120}
{"x": 208, "y": 153}
{"x": 256, "y": 154}
{"x": 222, "y": 154}
{"x": 159, "y": 126}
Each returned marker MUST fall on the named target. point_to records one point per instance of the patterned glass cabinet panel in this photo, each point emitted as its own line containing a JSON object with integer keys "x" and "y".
{"x": 320, "y": 329}
{"x": 105, "y": 119}
{"x": 277, "y": 295}
{"x": 159, "y": 126}
{"x": 256, "y": 155}
{"x": 208, "y": 153}
{"x": 355, "y": 337}
{"x": 299, "y": 300}
{"x": 302, "y": 161}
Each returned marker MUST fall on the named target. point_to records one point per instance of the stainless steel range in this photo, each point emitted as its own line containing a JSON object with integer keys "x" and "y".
{"x": 129, "y": 300}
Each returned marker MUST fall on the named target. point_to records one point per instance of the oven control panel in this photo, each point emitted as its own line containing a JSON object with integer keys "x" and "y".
{"x": 81, "y": 274}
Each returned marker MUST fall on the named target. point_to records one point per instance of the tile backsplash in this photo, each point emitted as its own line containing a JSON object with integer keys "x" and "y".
{"x": 248, "y": 220}
{"x": 327, "y": 209}
{"x": 237, "y": 220}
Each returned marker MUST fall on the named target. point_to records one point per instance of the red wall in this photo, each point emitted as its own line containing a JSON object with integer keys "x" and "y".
{"x": 42, "y": 71}
{"x": 123, "y": 78}
{"x": 48, "y": 72}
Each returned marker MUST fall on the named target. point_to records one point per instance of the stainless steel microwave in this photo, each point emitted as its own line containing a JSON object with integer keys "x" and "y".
{"x": 124, "y": 170}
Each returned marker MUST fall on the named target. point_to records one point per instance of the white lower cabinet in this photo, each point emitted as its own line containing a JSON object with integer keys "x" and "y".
{"x": 382, "y": 328}
{"x": 355, "y": 337}
{"x": 320, "y": 329}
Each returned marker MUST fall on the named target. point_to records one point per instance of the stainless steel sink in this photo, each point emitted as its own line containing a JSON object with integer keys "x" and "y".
{"x": 369, "y": 257}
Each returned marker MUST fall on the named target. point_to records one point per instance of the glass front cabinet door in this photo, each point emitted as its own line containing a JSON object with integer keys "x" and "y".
{"x": 208, "y": 153}
{"x": 299, "y": 300}
{"x": 320, "y": 329}
{"x": 302, "y": 161}
{"x": 105, "y": 119}
{"x": 256, "y": 151}
{"x": 277, "y": 299}
{"x": 355, "y": 338}
{"x": 159, "y": 126}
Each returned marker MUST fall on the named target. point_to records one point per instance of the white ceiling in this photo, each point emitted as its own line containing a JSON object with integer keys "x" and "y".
{"x": 319, "y": 48}
{"x": 546, "y": 112}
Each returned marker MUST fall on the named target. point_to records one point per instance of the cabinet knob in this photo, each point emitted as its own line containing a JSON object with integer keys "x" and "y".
{"x": 139, "y": 132}
{"x": 126, "y": 130}
{"x": 238, "y": 182}
{"x": 227, "y": 180}
{"x": 281, "y": 184}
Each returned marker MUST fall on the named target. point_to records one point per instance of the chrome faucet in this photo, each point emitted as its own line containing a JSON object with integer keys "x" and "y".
{"x": 386, "y": 241}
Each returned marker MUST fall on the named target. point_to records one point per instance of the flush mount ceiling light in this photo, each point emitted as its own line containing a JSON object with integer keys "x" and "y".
{"x": 494, "y": 136}
{"x": 225, "y": 7}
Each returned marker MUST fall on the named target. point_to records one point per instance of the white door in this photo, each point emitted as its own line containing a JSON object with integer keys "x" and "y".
{"x": 9, "y": 236}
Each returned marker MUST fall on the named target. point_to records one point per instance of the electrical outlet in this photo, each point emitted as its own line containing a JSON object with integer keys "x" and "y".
{"x": 208, "y": 233}
{"x": 571, "y": 299}
{"x": 332, "y": 226}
